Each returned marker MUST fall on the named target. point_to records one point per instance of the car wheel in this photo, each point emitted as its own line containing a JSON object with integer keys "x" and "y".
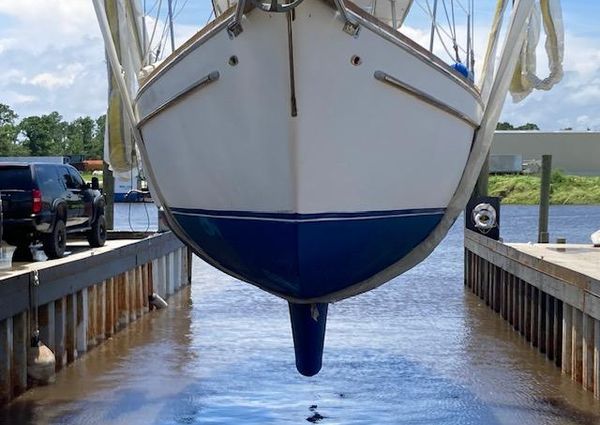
{"x": 97, "y": 235}
{"x": 55, "y": 243}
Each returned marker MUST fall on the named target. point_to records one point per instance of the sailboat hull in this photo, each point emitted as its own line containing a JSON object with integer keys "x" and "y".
{"x": 301, "y": 159}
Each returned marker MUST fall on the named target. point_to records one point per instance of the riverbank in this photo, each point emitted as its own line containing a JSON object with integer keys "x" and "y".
{"x": 564, "y": 190}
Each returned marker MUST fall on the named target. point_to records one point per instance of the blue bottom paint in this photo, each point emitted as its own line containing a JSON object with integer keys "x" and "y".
{"x": 306, "y": 258}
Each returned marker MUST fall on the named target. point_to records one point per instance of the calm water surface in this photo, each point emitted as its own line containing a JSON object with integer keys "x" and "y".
{"x": 419, "y": 350}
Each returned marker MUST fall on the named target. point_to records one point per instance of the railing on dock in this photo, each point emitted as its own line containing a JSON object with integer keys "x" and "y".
{"x": 555, "y": 308}
{"x": 83, "y": 302}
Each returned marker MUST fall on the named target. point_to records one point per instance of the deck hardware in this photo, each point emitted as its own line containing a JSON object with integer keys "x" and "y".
{"x": 275, "y": 6}
{"x": 355, "y": 60}
{"x": 351, "y": 28}
{"x": 235, "y": 27}
{"x": 233, "y": 60}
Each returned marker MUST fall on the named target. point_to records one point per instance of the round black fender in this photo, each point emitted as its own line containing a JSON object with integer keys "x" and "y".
{"x": 60, "y": 212}
{"x": 99, "y": 205}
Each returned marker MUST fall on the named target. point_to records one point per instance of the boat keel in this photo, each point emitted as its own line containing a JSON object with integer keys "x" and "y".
{"x": 308, "y": 331}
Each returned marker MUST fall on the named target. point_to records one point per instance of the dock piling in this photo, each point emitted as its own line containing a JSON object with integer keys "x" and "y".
{"x": 60, "y": 332}
{"x": 18, "y": 365}
{"x": 80, "y": 306}
{"x": 555, "y": 308}
{"x": 6, "y": 349}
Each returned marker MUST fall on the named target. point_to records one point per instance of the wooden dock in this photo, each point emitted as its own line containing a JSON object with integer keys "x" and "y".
{"x": 82, "y": 299}
{"x": 549, "y": 293}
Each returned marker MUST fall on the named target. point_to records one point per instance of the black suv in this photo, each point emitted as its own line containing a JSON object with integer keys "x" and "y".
{"x": 47, "y": 201}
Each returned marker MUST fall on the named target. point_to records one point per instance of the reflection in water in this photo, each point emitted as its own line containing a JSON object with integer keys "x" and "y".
{"x": 419, "y": 350}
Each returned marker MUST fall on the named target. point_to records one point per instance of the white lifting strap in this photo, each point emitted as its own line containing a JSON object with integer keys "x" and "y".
{"x": 525, "y": 79}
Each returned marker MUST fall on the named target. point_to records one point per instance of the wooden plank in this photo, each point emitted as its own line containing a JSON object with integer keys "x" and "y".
{"x": 60, "y": 332}
{"x": 496, "y": 291}
{"x": 521, "y": 306}
{"x": 527, "y": 311}
{"x": 478, "y": 271}
{"x": 6, "y": 349}
{"x": 109, "y": 325}
{"x": 163, "y": 277}
{"x": 588, "y": 352}
{"x": 577, "y": 346}
{"x": 81, "y": 338}
{"x": 542, "y": 321}
{"x": 101, "y": 312}
{"x": 115, "y": 295}
{"x": 535, "y": 325}
{"x": 169, "y": 274}
{"x": 92, "y": 316}
{"x": 597, "y": 358}
{"x": 139, "y": 291}
{"x": 501, "y": 289}
{"x": 71, "y": 337}
{"x": 19, "y": 354}
{"x": 132, "y": 296}
{"x": 123, "y": 300}
{"x": 557, "y": 331}
{"x": 46, "y": 325}
{"x": 549, "y": 318}
{"x": 151, "y": 289}
{"x": 189, "y": 265}
{"x": 145, "y": 285}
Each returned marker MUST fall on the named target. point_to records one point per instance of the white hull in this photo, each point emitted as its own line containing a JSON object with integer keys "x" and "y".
{"x": 356, "y": 145}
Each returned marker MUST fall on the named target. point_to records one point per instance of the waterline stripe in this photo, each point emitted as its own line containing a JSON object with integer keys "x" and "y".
{"x": 294, "y": 217}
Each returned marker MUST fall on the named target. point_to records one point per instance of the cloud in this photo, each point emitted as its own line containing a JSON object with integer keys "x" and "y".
{"x": 64, "y": 76}
{"x": 14, "y": 98}
{"x": 52, "y": 58}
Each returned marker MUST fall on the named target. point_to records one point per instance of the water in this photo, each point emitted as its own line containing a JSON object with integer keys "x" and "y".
{"x": 419, "y": 350}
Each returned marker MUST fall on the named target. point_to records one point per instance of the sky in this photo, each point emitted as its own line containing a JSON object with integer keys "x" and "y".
{"x": 52, "y": 59}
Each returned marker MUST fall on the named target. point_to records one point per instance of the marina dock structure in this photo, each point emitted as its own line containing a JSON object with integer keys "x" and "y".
{"x": 549, "y": 293}
{"x": 83, "y": 299}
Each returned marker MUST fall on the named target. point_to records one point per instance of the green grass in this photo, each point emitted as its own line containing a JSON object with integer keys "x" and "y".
{"x": 87, "y": 177}
{"x": 564, "y": 190}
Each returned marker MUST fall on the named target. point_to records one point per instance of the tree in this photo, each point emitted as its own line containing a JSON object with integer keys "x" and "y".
{"x": 504, "y": 126}
{"x": 45, "y": 135}
{"x": 7, "y": 115}
{"x": 9, "y": 144}
{"x": 79, "y": 136}
{"x": 50, "y": 135}
{"x": 528, "y": 126}
{"x": 509, "y": 126}
{"x": 96, "y": 148}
